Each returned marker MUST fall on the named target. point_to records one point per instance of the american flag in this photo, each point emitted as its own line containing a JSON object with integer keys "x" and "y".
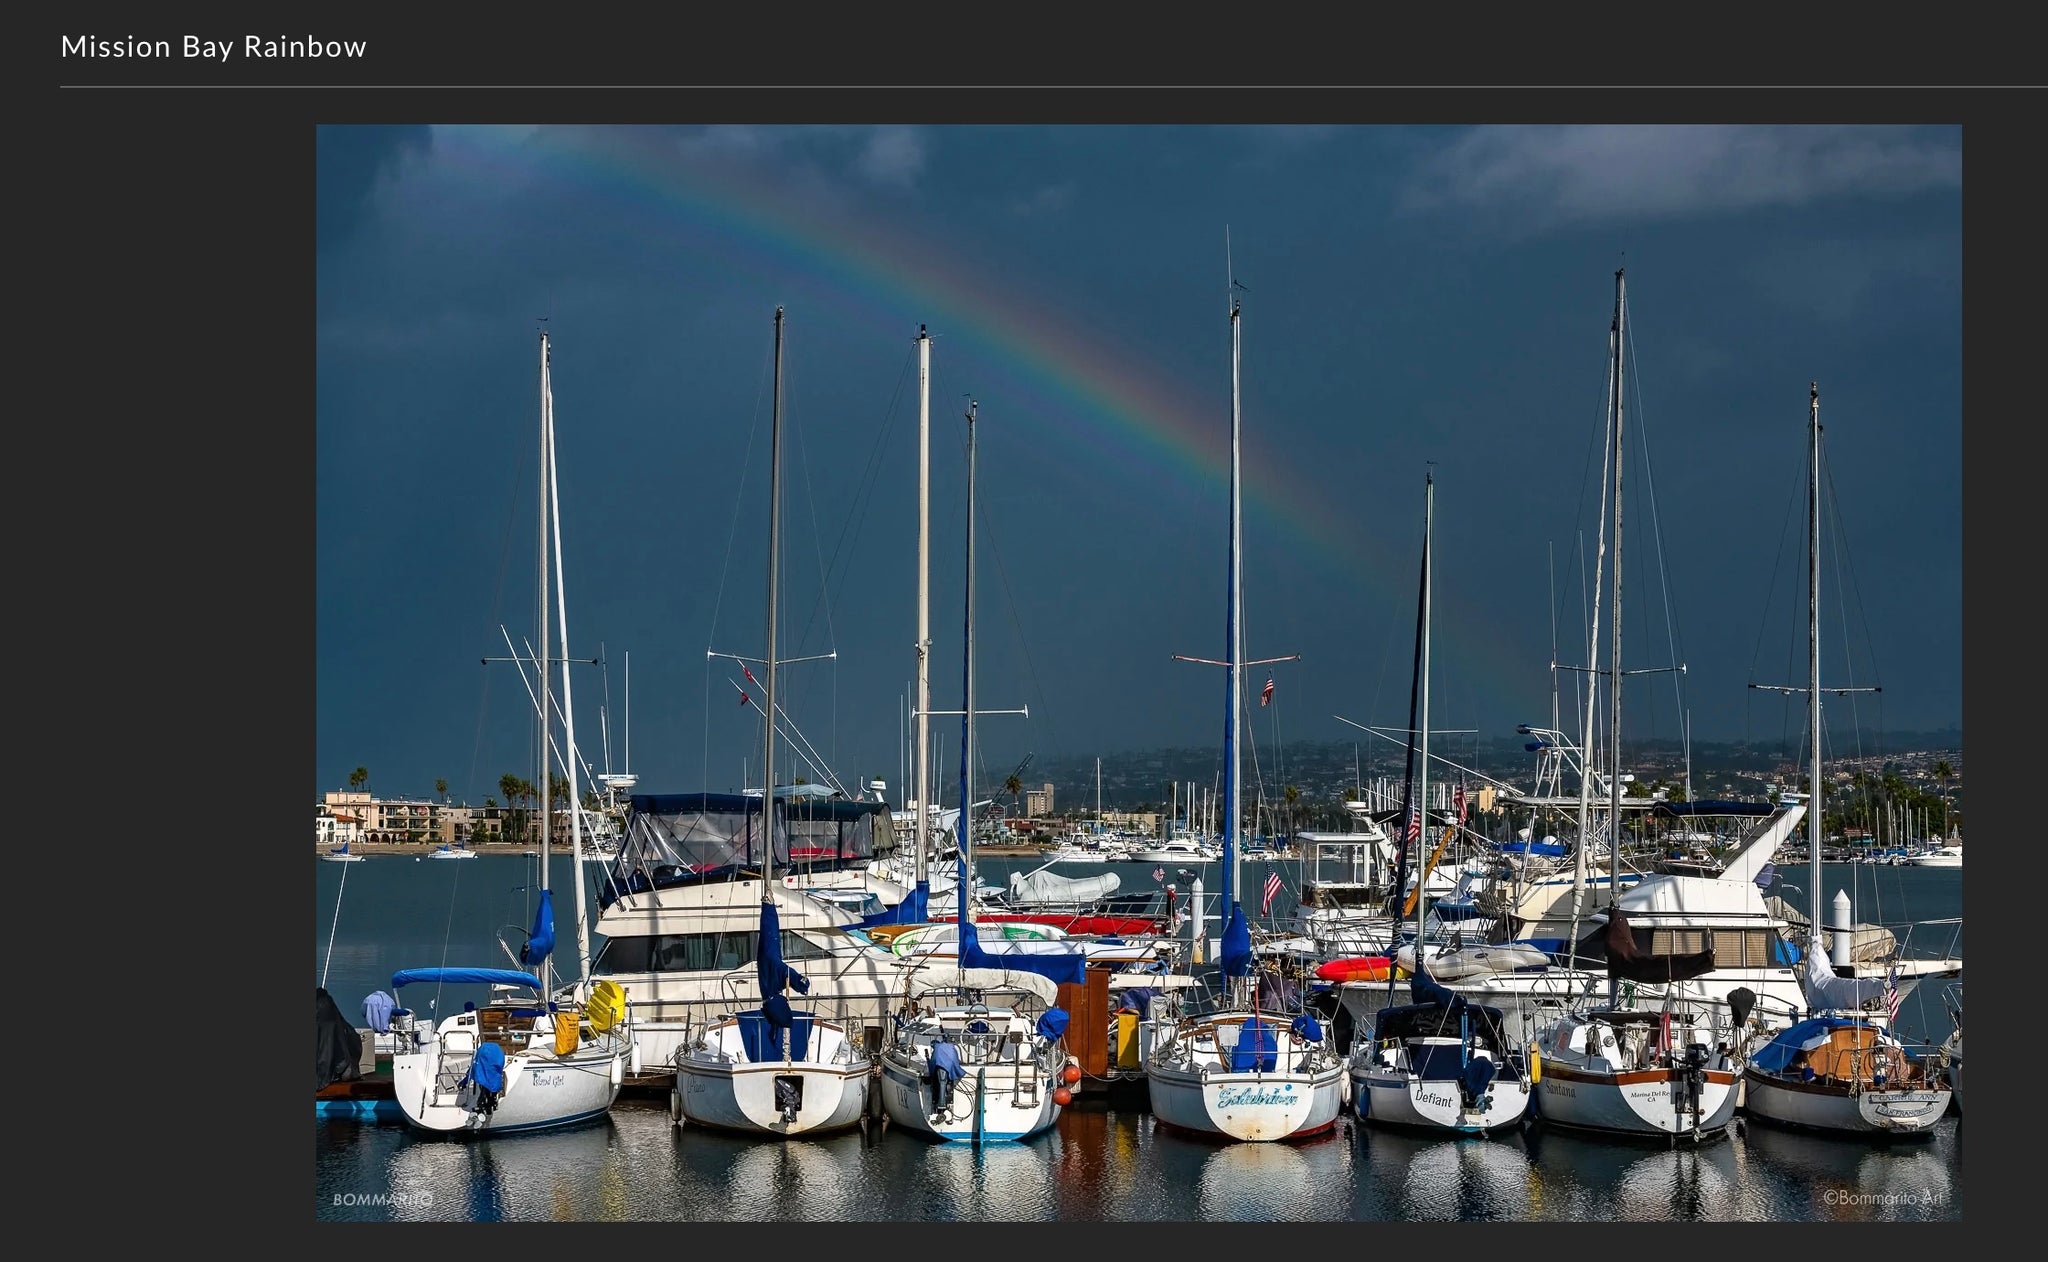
{"x": 1272, "y": 888}
{"x": 1891, "y": 994}
{"x": 1458, "y": 802}
{"x": 1266, "y": 694}
{"x": 1159, "y": 874}
{"x": 1414, "y": 824}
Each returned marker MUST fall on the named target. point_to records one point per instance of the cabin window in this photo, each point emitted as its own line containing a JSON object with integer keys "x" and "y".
{"x": 624, "y": 955}
{"x": 1678, "y": 941}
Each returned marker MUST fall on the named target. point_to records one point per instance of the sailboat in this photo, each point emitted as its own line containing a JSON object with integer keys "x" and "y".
{"x": 772, "y": 1070}
{"x": 1657, "y": 1071}
{"x": 973, "y": 1070}
{"x": 1841, "y": 1069}
{"x": 1242, "y": 1072}
{"x": 341, "y": 854}
{"x": 1440, "y": 1062}
{"x": 522, "y": 1061}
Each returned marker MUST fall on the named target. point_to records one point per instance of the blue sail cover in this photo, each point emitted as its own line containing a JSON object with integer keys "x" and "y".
{"x": 464, "y": 977}
{"x": 542, "y": 939}
{"x": 1237, "y": 944}
{"x": 775, "y": 975}
{"x": 1067, "y": 970}
{"x": 1308, "y": 1028}
{"x": 1422, "y": 988}
{"x": 1257, "y": 1051}
{"x": 913, "y": 910}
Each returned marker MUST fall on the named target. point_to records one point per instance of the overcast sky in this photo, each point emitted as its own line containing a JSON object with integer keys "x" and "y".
{"x": 1413, "y": 297}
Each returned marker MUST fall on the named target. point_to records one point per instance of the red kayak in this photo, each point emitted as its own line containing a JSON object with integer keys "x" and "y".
{"x": 1109, "y": 926}
{"x": 1358, "y": 968}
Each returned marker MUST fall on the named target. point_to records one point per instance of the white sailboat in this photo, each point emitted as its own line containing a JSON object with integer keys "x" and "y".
{"x": 522, "y": 1062}
{"x": 1440, "y": 1062}
{"x": 341, "y": 854}
{"x": 1840, "y": 1070}
{"x": 772, "y": 1070}
{"x": 1651, "y": 1072}
{"x": 1241, "y": 1073}
{"x": 969, "y": 1070}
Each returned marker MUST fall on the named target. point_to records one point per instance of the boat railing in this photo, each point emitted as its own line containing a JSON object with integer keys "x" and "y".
{"x": 1929, "y": 939}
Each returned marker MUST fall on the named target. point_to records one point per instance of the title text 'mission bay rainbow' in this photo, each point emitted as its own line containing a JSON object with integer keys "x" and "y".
{"x": 252, "y": 46}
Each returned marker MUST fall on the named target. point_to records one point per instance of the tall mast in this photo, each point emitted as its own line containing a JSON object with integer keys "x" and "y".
{"x": 1422, "y": 737}
{"x": 547, "y": 425}
{"x": 963, "y": 894}
{"x": 569, "y": 754}
{"x": 1234, "y": 636}
{"x": 1813, "y": 811}
{"x": 774, "y": 575}
{"x": 921, "y": 791}
{"x": 1614, "y": 687}
{"x": 1579, "y": 862}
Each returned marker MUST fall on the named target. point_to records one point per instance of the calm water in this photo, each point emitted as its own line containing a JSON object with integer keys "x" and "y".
{"x": 1100, "y": 1162}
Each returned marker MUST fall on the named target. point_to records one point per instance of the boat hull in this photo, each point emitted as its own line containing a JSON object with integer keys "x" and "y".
{"x": 994, "y": 1102}
{"x": 1834, "y": 1107}
{"x": 1246, "y": 1106}
{"x": 541, "y": 1091}
{"x": 1396, "y": 1098}
{"x": 1652, "y": 1103}
{"x": 743, "y": 1097}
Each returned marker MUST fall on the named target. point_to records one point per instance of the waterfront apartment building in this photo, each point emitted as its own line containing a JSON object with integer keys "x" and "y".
{"x": 353, "y": 815}
{"x": 1038, "y": 802}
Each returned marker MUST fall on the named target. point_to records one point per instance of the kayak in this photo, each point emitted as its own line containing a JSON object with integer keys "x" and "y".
{"x": 1358, "y": 968}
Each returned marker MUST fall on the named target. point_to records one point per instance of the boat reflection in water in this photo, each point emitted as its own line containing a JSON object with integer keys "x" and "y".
{"x": 818, "y": 1180}
{"x": 993, "y": 1182}
{"x": 1276, "y": 1182}
{"x": 1473, "y": 1178}
{"x": 1853, "y": 1180}
{"x": 578, "y": 1174}
{"x": 1590, "y": 1178}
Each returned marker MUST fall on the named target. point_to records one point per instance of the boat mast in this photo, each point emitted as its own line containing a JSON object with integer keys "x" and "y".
{"x": 768, "y": 677}
{"x": 1592, "y": 648}
{"x": 1234, "y": 634}
{"x": 1422, "y": 736}
{"x": 921, "y": 791}
{"x": 547, "y": 425}
{"x": 1614, "y": 665}
{"x": 569, "y": 754}
{"x": 963, "y": 894}
{"x": 1813, "y": 805}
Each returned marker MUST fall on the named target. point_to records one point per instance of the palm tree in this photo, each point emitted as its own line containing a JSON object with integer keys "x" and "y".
{"x": 1944, "y": 772}
{"x": 441, "y": 787}
{"x": 1014, "y": 786}
{"x": 358, "y": 778}
{"x": 1290, "y": 795}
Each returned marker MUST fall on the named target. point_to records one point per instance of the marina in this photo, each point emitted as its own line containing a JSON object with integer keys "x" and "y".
{"x": 1115, "y": 927}
{"x": 1106, "y": 1158}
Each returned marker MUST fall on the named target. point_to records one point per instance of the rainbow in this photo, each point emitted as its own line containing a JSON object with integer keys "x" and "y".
{"x": 1104, "y": 405}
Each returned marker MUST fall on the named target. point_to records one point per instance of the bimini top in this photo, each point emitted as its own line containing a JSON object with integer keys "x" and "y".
{"x": 465, "y": 977}
{"x": 684, "y": 838}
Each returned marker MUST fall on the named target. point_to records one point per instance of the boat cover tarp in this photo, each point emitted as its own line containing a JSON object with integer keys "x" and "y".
{"x": 1825, "y": 990}
{"x": 337, "y": 1048}
{"x": 1615, "y": 942}
{"x": 487, "y": 1067}
{"x": 464, "y": 977}
{"x": 1307, "y": 1028}
{"x": 672, "y": 837}
{"x": 1041, "y": 889}
{"x": 1785, "y": 1047}
{"x": 761, "y": 1036}
{"x": 944, "y": 977}
{"x": 1066, "y": 968}
{"x": 377, "y": 1009}
{"x": 1257, "y": 1051}
{"x": 1236, "y": 955}
{"x": 542, "y": 939}
{"x": 946, "y": 1059}
{"x": 1052, "y": 1024}
{"x": 773, "y": 973}
{"x": 915, "y": 909}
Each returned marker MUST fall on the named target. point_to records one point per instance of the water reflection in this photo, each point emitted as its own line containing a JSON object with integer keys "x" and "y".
{"x": 574, "y": 1175}
{"x": 1275, "y": 1182}
{"x": 1831, "y": 1178}
{"x": 1595, "y": 1179}
{"x": 1423, "y": 1177}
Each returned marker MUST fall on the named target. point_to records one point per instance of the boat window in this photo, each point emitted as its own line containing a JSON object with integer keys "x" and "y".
{"x": 797, "y": 947}
{"x": 624, "y": 955}
{"x": 1678, "y": 941}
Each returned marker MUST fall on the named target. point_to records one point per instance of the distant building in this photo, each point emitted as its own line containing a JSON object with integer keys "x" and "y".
{"x": 1038, "y": 802}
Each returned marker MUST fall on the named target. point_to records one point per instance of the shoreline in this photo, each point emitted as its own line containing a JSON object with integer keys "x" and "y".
{"x": 377, "y": 849}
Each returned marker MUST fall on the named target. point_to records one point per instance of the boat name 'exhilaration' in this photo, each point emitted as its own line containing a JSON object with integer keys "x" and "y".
{"x": 260, "y": 47}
